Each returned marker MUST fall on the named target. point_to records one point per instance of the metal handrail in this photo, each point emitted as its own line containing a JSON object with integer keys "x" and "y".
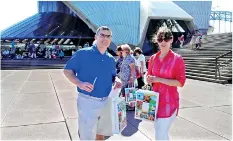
{"x": 223, "y": 55}
{"x": 225, "y": 63}
{"x": 217, "y": 65}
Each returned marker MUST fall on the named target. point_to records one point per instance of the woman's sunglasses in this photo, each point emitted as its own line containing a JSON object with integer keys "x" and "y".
{"x": 160, "y": 40}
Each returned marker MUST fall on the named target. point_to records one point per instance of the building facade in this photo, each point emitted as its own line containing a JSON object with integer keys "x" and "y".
{"x": 132, "y": 22}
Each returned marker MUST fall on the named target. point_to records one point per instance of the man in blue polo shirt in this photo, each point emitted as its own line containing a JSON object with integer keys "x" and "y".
{"x": 93, "y": 71}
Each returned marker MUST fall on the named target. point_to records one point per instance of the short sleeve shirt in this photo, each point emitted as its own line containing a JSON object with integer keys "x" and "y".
{"x": 89, "y": 64}
{"x": 171, "y": 67}
{"x": 125, "y": 71}
{"x": 143, "y": 59}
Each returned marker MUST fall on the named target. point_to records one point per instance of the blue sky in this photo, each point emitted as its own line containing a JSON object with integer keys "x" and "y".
{"x": 13, "y": 11}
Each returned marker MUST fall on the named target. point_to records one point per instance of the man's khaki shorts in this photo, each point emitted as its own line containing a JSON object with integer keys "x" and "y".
{"x": 104, "y": 126}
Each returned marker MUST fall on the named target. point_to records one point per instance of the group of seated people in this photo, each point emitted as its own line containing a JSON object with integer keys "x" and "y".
{"x": 18, "y": 53}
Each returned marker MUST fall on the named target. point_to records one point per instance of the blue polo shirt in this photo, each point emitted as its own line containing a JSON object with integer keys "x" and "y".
{"x": 88, "y": 63}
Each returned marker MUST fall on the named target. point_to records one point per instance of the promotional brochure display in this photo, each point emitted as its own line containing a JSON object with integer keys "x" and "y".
{"x": 146, "y": 105}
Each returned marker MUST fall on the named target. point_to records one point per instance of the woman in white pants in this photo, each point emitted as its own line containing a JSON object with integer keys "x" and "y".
{"x": 166, "y": 72}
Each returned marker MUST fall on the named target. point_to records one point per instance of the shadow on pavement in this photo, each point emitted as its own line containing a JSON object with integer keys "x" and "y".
{"x": 132, "y": 126}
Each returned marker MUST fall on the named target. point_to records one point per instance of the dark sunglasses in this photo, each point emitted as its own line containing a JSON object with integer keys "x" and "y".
{"x": 103, "y": 35}
{"x": 160, "y": 40}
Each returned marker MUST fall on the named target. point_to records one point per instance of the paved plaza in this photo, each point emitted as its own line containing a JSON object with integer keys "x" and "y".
{"x": 41, "y": 105}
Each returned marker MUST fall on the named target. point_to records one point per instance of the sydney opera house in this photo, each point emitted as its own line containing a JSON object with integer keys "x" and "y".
{"x": 132, "y": 22}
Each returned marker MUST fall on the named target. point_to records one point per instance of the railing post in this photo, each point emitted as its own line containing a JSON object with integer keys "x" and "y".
{"x": 216, "y": 68}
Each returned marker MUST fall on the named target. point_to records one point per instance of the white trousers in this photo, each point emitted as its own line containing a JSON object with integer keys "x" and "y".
{"x": 162, "y": 126}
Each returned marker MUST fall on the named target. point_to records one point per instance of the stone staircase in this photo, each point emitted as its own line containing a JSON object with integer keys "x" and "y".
{"x": 200, "y": 64}
{"x": 38, "y": 63}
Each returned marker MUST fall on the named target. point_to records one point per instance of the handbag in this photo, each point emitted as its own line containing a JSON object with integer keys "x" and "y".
{"x": 147, "y": 87}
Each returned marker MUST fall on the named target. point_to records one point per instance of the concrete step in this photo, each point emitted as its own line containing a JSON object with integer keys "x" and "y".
{"x": 206, "y": 49}
{"x": 203, "y": 49}
{"x": 205, "y": 55}
{"x": 200, "y": 66}
{"x": 209, "y": 48}
{"x": 34, "y": 63}
{"x": 204, "y": 59}
{"x": 204, "y": 65}
{"x": 209, "y": 71}
{"x": 219, "y": 40}
{"x": 222, "y": 64}
{"x": 201, "y": 69}
{"x": 201, "y": 52}
{"x": 197, "y": 58}
{"x": 217, "y": 37}
{"x": 224, "y": 76}
{"x": 10, "y": 67}
{"x": 207, "y": 79}
{"x": 210, "y": 74}
{"x": 217, "y": 45}
{"x": 215, "y": 49}
{"x": 57, "y": 60}
{"x": 205, "y": 69}
{"x": 200, "y": 59}
{"x": 194, "y": 62}
{"x": 24, "y": 64}
{"x": 189, "y": 51}
{"x": 218, "y": 34}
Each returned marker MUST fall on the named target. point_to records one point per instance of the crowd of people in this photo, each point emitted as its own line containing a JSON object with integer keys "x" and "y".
{"x": 130, "y": 66}
{"x": 18, "y": 53}
{"x": 31, "y": 51}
